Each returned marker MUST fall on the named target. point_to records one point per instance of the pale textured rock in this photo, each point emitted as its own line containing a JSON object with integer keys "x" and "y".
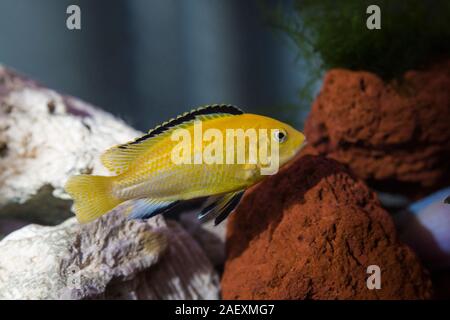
{"x": 44, "y": 138}
{"x": 211, "y": 238}
{"x": 184, "y": 272}
{"x": 109, "y": 258}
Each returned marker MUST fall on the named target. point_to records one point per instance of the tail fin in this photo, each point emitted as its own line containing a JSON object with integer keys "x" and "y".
{"x": 92, "y": 196}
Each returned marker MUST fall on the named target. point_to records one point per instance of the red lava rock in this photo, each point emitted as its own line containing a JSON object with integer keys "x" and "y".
{"x": 394, "y": 135}
{"x": 310, "y": 232}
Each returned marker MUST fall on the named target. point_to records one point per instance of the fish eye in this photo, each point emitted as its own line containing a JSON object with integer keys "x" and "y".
{"x": 280, "y": 135}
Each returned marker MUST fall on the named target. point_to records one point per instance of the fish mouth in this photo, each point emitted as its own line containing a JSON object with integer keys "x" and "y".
{"x": 296, "y": 151}
{"x": 300, "y": 147}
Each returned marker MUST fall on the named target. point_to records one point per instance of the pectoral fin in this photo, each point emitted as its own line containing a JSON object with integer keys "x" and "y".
{"x": 221, "y": 207}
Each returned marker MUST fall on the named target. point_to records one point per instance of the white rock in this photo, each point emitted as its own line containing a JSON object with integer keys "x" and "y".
{"x": 109, "y": 258}
{"x": 184, "y": 272}
{"x": 210, "y": 237}
{"x": 44, "y": 138}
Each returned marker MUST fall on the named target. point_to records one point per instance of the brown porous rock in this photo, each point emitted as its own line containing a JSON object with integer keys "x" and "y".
{"x": 311, "y": 232}
{"x": 394, "y": 135}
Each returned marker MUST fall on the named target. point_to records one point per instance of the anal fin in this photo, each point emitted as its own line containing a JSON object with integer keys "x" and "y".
{"x": 221, "y": 207}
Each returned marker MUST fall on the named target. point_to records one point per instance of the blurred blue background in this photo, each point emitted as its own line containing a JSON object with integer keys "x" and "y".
{"x": 149, "y": 60}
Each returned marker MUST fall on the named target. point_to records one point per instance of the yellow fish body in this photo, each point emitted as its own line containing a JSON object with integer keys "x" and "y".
{"x": 194, "y": 156}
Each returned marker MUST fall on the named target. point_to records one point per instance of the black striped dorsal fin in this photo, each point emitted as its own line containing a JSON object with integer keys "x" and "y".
{"x": 117, "y": 159}
{"x": 215, "y": 109}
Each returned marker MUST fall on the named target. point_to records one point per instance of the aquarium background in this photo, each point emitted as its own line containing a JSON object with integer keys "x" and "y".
{"x": 147, "y": 60}
{"x": 369, "y": 189}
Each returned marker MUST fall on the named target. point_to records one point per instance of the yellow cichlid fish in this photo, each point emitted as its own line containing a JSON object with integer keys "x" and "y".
{"x": 193, "y": 158}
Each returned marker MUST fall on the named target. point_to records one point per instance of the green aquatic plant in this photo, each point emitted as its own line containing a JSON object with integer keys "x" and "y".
{"x": 412, "y": 33}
